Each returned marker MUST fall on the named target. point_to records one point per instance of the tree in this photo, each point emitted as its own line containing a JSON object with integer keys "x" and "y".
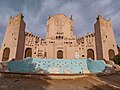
{"x": 117, "y": 57}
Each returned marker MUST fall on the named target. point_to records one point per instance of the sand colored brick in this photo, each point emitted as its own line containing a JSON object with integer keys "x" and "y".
{"x": 60, "y": 41}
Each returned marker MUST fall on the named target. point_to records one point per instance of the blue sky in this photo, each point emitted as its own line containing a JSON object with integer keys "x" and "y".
{"x": 84, "y": 14}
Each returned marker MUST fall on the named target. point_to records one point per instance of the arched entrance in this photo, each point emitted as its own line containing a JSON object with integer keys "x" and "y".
{"x": 6, "y": 54}
{"x": 111, "y": 54}
{"x": 60, "y": 54}
{"x": 28, "y": 52}
{"x": 90, "y": 53}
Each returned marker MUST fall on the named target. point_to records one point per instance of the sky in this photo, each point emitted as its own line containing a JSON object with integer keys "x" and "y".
{"x": 84, "y": 14}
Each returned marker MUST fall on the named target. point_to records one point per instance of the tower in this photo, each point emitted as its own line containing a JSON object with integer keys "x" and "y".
{"x": 106, "y": 47}
{"x": 14, "y": 39}
{"x": 60, "y": 38}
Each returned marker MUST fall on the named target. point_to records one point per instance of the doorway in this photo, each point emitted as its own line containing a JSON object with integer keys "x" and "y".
{"x": 90, "y": 53}
{"x": 60, "y": 54}
{"x": 111, "y": 54}
{"x": 28, "y": 52}
{"x": 6, "y": 54}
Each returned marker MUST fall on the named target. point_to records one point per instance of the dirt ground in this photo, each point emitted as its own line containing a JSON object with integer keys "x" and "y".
{"x": 106, "y": 82}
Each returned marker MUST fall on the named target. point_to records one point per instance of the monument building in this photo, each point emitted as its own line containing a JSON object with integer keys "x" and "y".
{"x": 60, "y": 41}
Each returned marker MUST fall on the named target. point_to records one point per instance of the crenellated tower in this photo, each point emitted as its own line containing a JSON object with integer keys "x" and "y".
{"x": 14, "y": 39}
{"x": 106, "y": 47}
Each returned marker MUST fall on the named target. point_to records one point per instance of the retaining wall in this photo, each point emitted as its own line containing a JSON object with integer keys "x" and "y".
{"x": 59, "y": 66}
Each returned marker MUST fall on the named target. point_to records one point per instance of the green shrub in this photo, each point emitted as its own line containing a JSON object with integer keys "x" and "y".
{"x": 117, "y": 57}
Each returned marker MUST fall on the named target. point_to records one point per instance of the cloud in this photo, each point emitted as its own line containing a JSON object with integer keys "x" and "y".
{"x": 84, "y": 14}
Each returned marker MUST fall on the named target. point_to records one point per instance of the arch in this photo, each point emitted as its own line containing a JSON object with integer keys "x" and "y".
{"x": 62, "y": 37}
{"x": 59, "y": 37}
{"x": 111, "y": 54}
{"x": 90, "y": 53}
{"x": 45, "y": 55}
{"x": 28, "y": 52}
{"x": 6, "y": 54}
{"x": 60, "y": 54}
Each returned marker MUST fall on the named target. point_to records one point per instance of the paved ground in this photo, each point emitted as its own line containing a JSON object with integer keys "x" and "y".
{"x": 111, "y": 82}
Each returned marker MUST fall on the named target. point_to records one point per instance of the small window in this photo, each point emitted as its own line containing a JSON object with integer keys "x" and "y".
{"x": 83, "y": 55}
{"x": 62, "y": 37}
{"x": 56, "y": 37}
{"x": 59, "y": 37}
{"x": 92, "y": 35}
{"x": 106, "y": 36}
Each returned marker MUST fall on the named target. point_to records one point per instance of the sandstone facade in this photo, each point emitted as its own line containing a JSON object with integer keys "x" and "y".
{"x": 60, "y": 41}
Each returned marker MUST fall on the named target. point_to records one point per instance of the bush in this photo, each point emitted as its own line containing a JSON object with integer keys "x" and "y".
{"x": 117, "y": 57}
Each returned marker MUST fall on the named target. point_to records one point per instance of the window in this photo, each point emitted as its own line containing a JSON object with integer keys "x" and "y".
{"x": 106, "y": 36}
{"x": 28, "y": 52}
{"x": 6, "y": 54}
{"x": 111, "y": 54}
{"x": 60, "y": 54}
{"x": 90, "y": 53}
{"x": 83, "y": 55}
